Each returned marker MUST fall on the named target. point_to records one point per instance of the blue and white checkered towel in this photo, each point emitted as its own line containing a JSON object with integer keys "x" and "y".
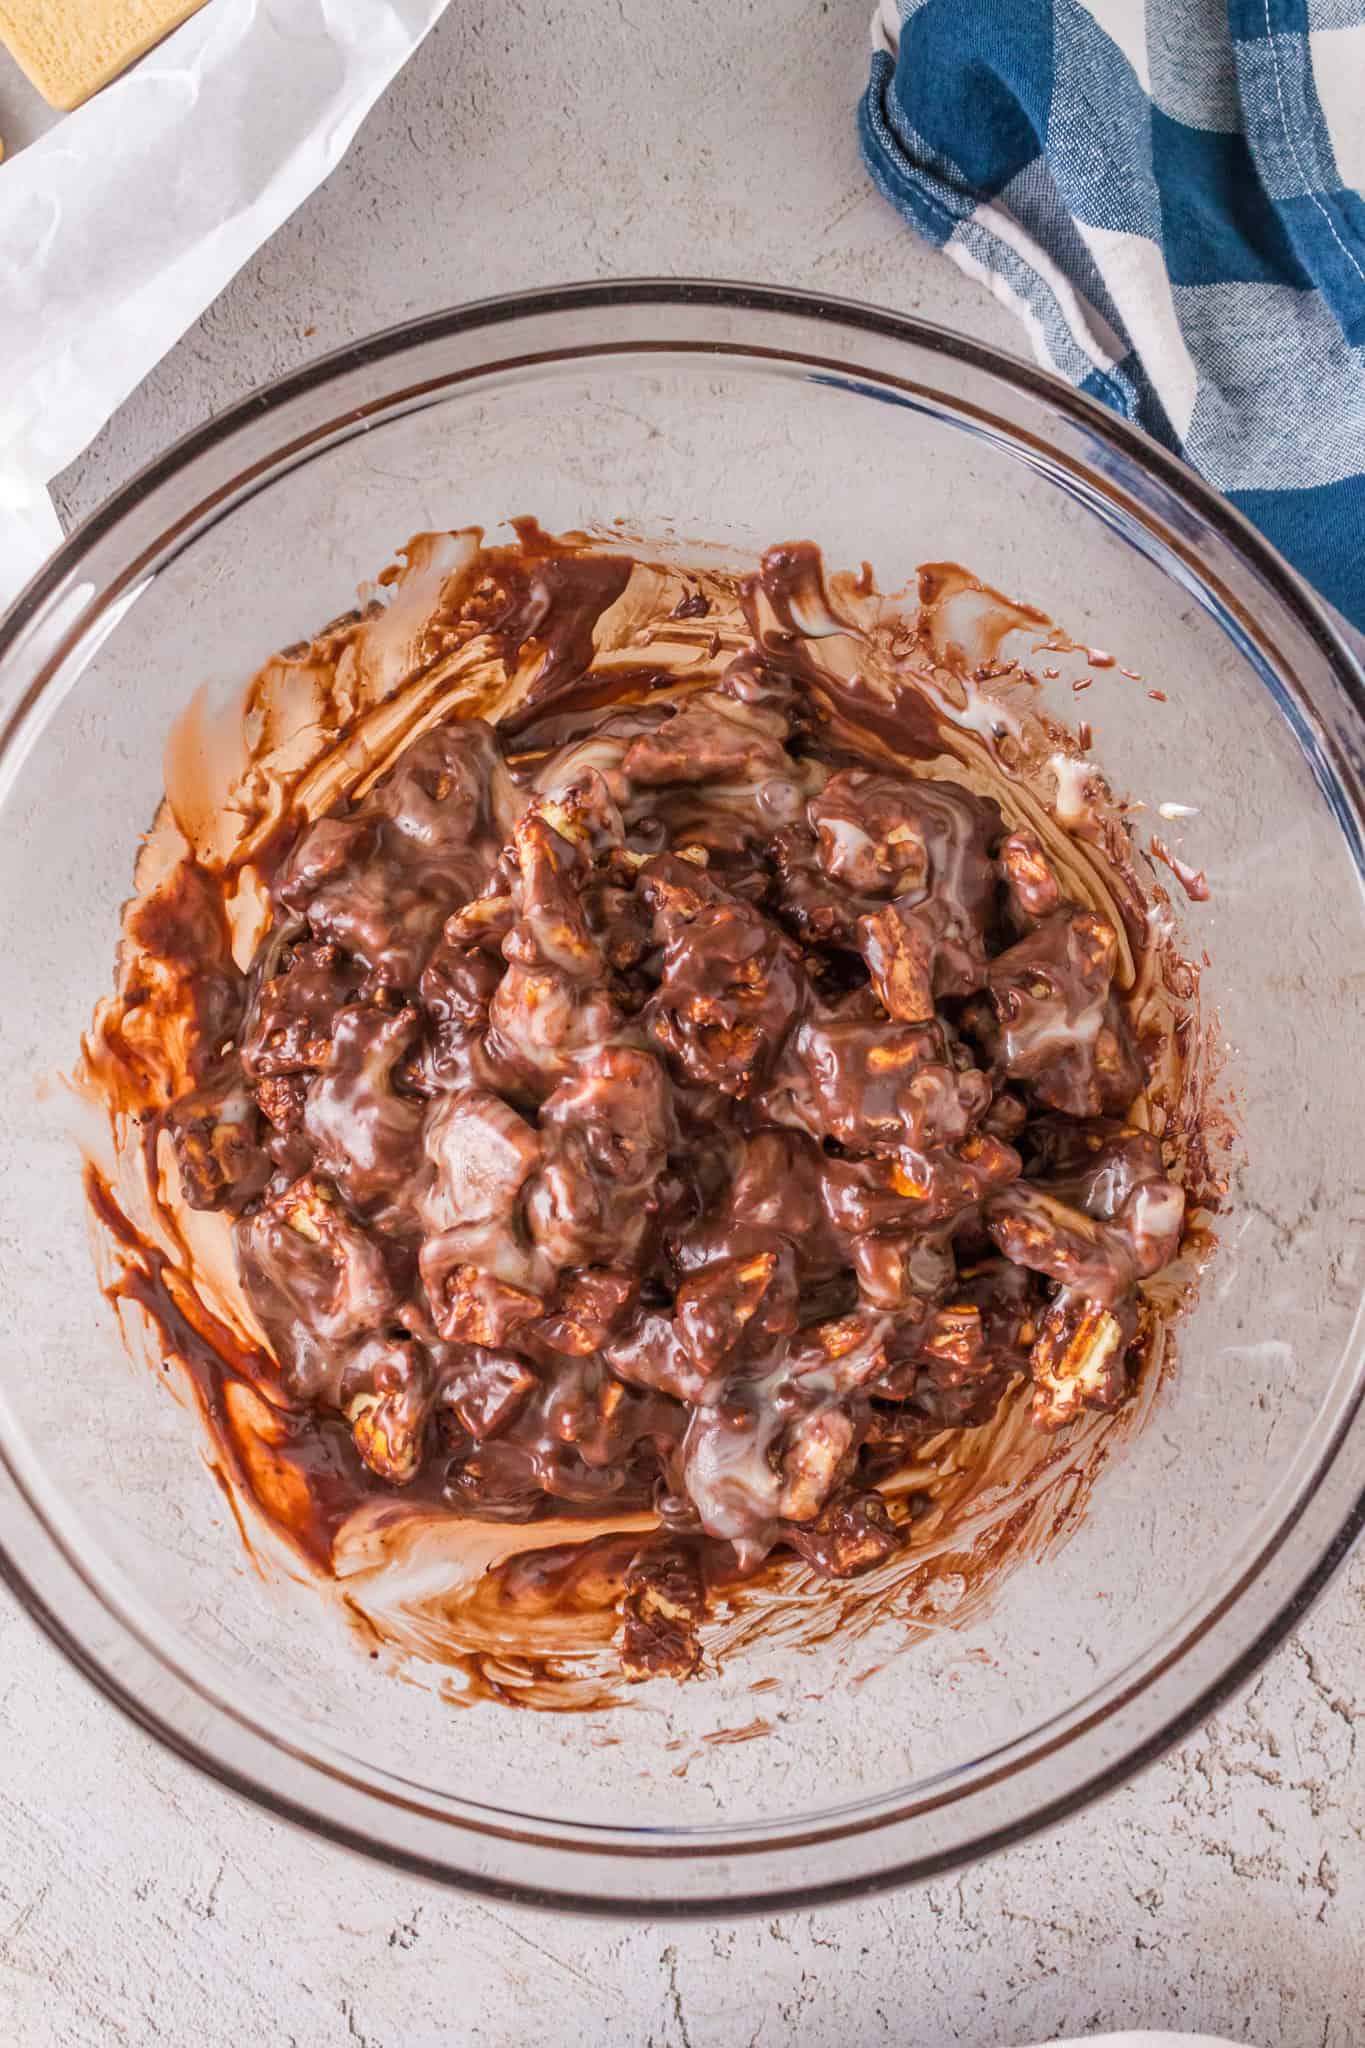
{"x": 1166, "y": 193}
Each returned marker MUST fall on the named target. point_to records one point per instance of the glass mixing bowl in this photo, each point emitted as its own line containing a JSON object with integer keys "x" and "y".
{"x": 743, "y": 416}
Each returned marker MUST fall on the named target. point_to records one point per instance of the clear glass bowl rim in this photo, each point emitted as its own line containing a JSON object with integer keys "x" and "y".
{"x": 566, "y": 1866}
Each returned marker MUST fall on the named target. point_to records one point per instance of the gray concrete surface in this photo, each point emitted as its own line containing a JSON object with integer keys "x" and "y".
{"x": 24, "y": 113}
{"x": 1225, "y": 1890}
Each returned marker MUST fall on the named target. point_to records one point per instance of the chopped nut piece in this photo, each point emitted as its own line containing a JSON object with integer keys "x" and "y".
{"x": 731, "y": 988}
{"x": 487, "y": 920}
{"x": 213, "y": 1134}
{"x": 893, "y": 1272}
{"x": 1052, "y": 999}
{"x": 915, "y": 1190}
{"x": 663, "y": 1607}
{"x": 553, "y": 931}
{"x": 711, "y": 738}
{"x": 716, "y": 1306}
{"x": 1034, "y": 890}
{"x": 589, "y": 1308}
{"x": 650, "y": 1353}
{"x": 365, "y": 1134}
{"x": 848, "y": 1536}
{"x": 290, "y": 1028}
{"x": 899, "y": 951}
{"x": 1100, "y": 1259}
{"x": 477, "y": 1308}
{"x": 385, "y": 1437}
{"x": 315, "y": 1278}
{"x": 281, "y": 1098}
{"x": 605, "y": 1131}
{"x": 869, "y": 835}
{"x": 812, "y": 1462}
{"x": 954, "y": 1340}
{"x": 1078, "y": 1360}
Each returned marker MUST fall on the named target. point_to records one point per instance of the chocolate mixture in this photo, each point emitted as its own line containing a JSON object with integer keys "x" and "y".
{"x": 667, "y": 1100}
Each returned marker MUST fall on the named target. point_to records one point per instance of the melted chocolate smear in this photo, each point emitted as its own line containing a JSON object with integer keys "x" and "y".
{"x": 302, "y": 1476}
{"x": 676, "y": 1198}
{"x": 553, "y": 601}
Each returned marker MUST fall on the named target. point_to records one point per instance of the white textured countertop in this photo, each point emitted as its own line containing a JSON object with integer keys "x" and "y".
{"x": 1225, "y": 1890}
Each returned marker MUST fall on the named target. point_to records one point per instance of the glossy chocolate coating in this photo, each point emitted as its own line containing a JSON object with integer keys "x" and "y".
{"x": 668, "y": 1106}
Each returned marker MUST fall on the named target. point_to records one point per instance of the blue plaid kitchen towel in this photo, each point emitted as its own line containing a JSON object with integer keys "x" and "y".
{"x": 1167, "y": 194}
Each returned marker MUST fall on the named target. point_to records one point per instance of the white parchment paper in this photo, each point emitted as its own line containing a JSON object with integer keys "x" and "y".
{"x": 122, "y": 223}
{"x": 1146, "y": 2040}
